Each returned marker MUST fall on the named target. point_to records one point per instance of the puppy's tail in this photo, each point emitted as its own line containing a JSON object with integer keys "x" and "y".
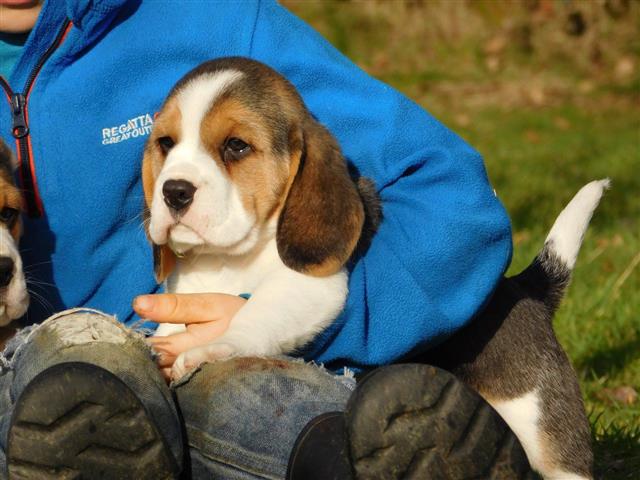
{"x": 549, "y": 274}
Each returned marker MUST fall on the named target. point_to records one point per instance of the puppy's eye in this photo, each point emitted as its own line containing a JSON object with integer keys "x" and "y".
{"x": 8, "y": 216}
{"x": 166, "y": 144}
{"x": 235, "y": 149}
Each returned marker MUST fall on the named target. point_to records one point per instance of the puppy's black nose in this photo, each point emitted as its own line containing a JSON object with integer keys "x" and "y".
{"x": 6, "y": 271}
{"x": 178, "y": 194}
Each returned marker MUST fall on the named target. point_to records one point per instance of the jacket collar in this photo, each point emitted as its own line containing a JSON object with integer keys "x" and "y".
{"x": 90, "y": 15}
{"x": 90, "y": 19}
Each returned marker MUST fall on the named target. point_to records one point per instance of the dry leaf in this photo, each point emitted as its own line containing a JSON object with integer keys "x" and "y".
{"x": 521, "y": 236}
{"x": 492, "y": 63}
{"x": 624, "y": 394}
{"x": 495, "y": 45}
{"x": 562, "y": 123}
{"x": 625, "y": 68}
{"x": 462, "y": 120}
{"x": 532, "y": 136}
{"x": 537, "y": 95}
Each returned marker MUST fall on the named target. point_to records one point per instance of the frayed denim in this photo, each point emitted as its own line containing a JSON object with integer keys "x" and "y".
{"x": 236, "y": 419}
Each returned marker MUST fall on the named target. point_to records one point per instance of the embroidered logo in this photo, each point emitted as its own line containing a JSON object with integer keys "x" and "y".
{"x": 139, "y": 126}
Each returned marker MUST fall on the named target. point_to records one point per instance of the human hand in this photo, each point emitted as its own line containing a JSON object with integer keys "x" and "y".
{"x": 206, "y": 316}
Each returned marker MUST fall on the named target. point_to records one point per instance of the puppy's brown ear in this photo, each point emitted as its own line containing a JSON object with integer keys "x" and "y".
{"x": 12, "y": 197}
{"x": 322, "y": 217}
{"x": 164, "y": 259}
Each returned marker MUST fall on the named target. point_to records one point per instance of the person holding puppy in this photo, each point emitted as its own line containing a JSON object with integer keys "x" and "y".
{"x": 82, "y": 88}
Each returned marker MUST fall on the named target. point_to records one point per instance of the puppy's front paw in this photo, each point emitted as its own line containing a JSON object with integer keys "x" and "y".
{"x": 192, "y": 359}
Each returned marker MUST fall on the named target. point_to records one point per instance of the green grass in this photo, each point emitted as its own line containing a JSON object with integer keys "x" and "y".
{"x": 598, "y": 322}
{"x": 538, "y": 154}
{"x": 536, "y": 168}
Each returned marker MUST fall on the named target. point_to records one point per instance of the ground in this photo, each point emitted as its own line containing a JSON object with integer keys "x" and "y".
{"x": 548, "y": 91}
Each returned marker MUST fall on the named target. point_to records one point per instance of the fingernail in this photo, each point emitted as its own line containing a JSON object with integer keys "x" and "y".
{"x": 143, "y": 303}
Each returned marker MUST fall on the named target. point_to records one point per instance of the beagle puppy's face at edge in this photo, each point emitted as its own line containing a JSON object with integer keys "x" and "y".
{"x": 235, "y": 158}
{"x": 14, "y": 298}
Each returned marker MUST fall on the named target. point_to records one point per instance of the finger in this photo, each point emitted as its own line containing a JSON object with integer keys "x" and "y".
{"x": 159, "y": 346}
{"x": 165, "y": 360}
{"x": 156, "y": 341}
{"x": 187, "y": 308}
{"x": 177, "y": 343}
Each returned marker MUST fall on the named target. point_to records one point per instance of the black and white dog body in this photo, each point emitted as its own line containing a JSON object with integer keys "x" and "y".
{"x": 511, "y": 356}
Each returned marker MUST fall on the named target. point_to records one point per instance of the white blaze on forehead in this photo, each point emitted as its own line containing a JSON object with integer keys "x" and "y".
{"x": 197, "y": 96}
{"x": 217, "y": 216}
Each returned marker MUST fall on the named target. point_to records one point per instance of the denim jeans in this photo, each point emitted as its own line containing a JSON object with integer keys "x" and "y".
{"x": 241, "y": 416}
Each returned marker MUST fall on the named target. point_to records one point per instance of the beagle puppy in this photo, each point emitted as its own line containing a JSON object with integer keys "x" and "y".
{"x": 248, "y": 194}
{"x": 14, "y": 298}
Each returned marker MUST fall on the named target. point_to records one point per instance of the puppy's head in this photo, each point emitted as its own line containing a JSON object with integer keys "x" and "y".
{"x": 235, "y": 158}
{"x": 14, "y": 299}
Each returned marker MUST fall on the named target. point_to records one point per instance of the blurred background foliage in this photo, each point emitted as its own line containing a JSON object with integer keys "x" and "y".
{"x": 549, "y": 92}
{"x": 503, "y": 52}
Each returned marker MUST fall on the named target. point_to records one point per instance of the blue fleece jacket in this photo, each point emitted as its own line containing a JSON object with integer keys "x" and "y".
{"x": 445, "y": 239}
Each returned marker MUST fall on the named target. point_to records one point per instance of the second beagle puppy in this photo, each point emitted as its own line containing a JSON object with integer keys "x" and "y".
{"x": 247, "y": 193}
{"x": 14, "y": 298}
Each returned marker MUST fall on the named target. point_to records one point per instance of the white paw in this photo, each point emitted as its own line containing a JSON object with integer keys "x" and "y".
{"x": 166, "y": 329}
{"x": 192, "y": 359}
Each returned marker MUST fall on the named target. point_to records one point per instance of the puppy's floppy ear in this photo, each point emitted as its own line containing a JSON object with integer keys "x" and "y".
{"x": 12, "y": 196}
{"x": 322, "y": 217}
{"x": 163, "y": 258}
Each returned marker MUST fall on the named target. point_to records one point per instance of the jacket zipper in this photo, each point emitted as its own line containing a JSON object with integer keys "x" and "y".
{"x": 20, "y": 128}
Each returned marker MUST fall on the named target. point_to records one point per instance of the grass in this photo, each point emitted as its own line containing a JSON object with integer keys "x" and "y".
{"x": 548, "y": 115}
{"x": 598, "y": 322}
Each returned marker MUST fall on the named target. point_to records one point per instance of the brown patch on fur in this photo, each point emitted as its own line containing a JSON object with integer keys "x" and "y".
{"x": 260, "y": 176}
{"x": 11, "y": 198}
{"x": 549, "y": 460}
{"x": 295, "y": 169}
{"x": 166, "y": 124}
{"x": 323, "y": 215}
{"x": 296, "y": 146}
{"x": 164, "y": 261}
{"x": 9, "y": 194}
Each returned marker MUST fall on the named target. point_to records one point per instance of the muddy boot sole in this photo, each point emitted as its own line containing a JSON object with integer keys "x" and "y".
{"x": 415, "y": 421}
{"x": 79, "y": 421}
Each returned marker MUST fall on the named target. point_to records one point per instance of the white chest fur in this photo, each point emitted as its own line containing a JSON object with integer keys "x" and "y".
{"x": 285, "y": 311}
{"x": 231, "y": 274}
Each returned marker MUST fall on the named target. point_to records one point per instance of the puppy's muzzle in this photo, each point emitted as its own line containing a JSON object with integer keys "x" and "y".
{"x": 7, "y": 266}
{"x": 178, "y": 195}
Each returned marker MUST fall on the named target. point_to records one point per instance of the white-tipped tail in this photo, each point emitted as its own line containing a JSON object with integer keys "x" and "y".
{"x": 567, "y": 232}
